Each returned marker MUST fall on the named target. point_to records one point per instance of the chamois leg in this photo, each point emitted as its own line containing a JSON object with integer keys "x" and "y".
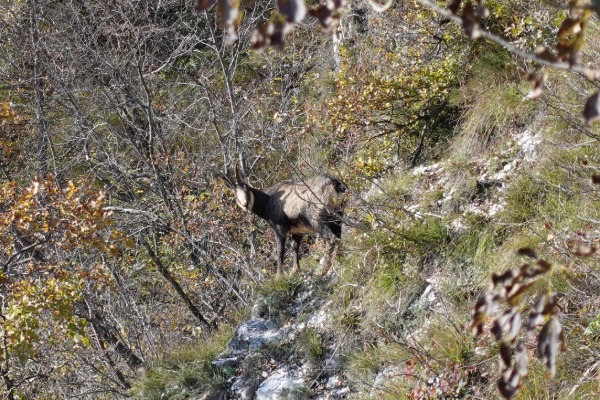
{"x": 296, "y": 240}
{"x": 325, "y": 263}
{"x": 331, "y": 231}
{"x": 280, "y": 235}
{"x": 335, "y": 224}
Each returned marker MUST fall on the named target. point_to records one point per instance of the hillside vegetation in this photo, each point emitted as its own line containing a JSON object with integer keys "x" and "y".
{"x": 128, "y": 270}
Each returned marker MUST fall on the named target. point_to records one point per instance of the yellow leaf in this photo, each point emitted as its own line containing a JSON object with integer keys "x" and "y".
{"x": 71, "y": 190}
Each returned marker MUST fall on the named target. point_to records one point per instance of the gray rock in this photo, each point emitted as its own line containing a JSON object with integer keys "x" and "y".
{"x": 244, "y": 389}
{"x": 318, "y": 320}
{"x": 332, "y": 362}
{"x": 387, "y": 376}
{"x": 252, "y": 335}
{"x": 227, "y": 362}
{"x": 280, "y": 385}
{"x": 333, "y": 382}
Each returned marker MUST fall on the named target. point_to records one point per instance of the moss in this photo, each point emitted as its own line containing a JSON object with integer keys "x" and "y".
{"x": 431, "y": 197}
{"x": 390, "y": 276}
{"x": 398, "y": 186}
{"x": 495, "y": 105}
{"x": 536, "y": 385}
{"x": 476, "y": 244}
{"x": 492, "y": 59}
{"x": 364, "y": 364}
{"x": 351, "y": 319}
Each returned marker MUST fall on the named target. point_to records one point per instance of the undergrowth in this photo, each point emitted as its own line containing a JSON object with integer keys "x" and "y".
{"x": 406, "y": 282}
{"x": 187, "y": 371}
{"x": 550, "y": 205}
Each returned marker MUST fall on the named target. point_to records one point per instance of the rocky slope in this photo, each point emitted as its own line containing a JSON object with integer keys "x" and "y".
{"x": 290, "y": 348}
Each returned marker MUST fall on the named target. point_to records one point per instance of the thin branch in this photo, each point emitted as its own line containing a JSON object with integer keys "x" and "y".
{"x": 23, "y": 250}
{"x": 131, "y": 211}
{"x": 164, "y": 271}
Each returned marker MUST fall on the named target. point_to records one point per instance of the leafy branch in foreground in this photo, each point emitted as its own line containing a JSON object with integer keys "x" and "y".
{"x": 503, "y": 302}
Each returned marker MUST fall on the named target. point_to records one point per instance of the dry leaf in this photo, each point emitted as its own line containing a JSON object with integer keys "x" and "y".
{"x": 380, "y": 8}
{"x": 508, "y": 383}
{"x": 454, "y": 6}
{"x": 527, "y": 251}
{"x": 506, "y": 354}
{"x": 550, "y": 343}
{"x": 546, "y": 54}
{"x": 521, "y": 360}
{"x": 293, "y": 10}
{"x": 271, "y": 34}
{"x": 327, "y": 15}
{"x": 202, "y": 5}
{"x": 470, "y": 22}
{"x": 228, "y": 11}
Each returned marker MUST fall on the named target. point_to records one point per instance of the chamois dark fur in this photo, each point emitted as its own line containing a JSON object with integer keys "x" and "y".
{"x": 314, "y": 205}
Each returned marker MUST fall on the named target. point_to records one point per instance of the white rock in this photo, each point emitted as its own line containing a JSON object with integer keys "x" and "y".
{"x": 333, "y": 382}
{"x": 500, "y": 175}
{"x": 226, "y": 362}
{"x": 254, "y": 334}
{"x": 244, "y": 389}
{"x": 280, "y": 385}
{"x": 429, "y": 294}
{"x": 420, "y": 170}
{"x": 459, "y": 225}
{"x": 427, "y": 169}
{"x": 333, "y": 361}
{"x": 528, "y": 143}
{"x": 318, "y": 320}
{"x": 374, "y": 191}
{"x": 386, "y": 377}
{"x": 495, "y": 209}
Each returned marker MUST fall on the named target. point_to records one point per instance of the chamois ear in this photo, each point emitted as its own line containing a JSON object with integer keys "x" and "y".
{"x": 228, "y": 181}
{"x": 239, "y": 175}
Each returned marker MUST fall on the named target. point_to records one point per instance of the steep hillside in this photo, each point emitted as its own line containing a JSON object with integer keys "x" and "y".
{"x": 392, "y": 317}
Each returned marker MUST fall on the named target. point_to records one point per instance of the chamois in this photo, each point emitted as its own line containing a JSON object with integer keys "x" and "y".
{"x": 314, "y": 205}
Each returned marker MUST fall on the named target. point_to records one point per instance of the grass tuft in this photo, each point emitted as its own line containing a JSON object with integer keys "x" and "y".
{"x": 276, "y": 294}
{"x": 312, "y": 345}
{"x": 187, "y": 372}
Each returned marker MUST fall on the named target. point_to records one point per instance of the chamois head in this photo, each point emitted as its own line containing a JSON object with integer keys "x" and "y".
{"x": 243, "y": 195}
